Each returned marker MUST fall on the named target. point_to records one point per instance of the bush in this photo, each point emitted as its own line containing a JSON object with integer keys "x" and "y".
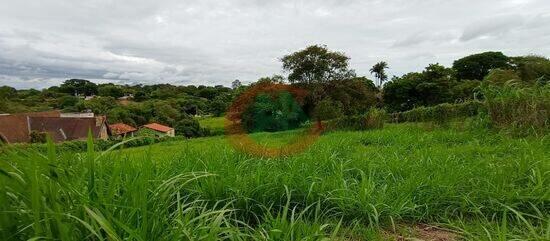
{"x": 440, "y": 113}
{"x": 189, "y": 127}
{"x": 374, "y": 119}
{"x": 521, "y": 110}
{"x": 99, "y": 145}
{"x": 273, "y": 113}
{"x": 38, "y": 137}
{"x": 327, "y": 109}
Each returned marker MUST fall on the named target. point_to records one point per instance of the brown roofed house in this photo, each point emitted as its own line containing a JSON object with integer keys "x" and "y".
{"x": 162, "y": 130}
{"x": 121, "y": 130}
{"x": 68, "y": 129}
{"x": 15, "y": 128}
{"x": 18, "y": 127}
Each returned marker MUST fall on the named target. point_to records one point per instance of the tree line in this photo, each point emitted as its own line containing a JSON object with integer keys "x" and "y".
{"x": 334, "y": 90}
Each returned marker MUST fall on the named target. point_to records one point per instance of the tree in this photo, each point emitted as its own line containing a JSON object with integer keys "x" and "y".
{"x": 236, "y": 84}
{"x": 100, "y": 105}
{"x": 357, "y": 95}
{"x": 68, "y": 103}
{"x": 141, "y": 96}
{"x": 273, "y": 113}
{"x": 531, "y": 67}
{"x": 112, "y": 90}
{"x": 379, "y": 71}
{"x": 477, "y": 66}
{"x": 78, "y": 87}
{"x": 275, "y": 79}
{"x": 7, "y": 92}
{"x": 189, "y": 127}
{"x": 316, "y": 64}
{"x": 218, "y": 106}
{"x": 327, "y": 109}
{"x": 431, "y": 87}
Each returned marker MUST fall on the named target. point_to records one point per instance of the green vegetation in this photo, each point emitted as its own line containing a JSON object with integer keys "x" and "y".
{"x": 476, "y": 162}
{"x": 347, "y": 186}
{"x": 441, "y": 113}
{"x": 273, "y": 113}
{"x": 216, "y": 125}
{"x": 520, "y": 110}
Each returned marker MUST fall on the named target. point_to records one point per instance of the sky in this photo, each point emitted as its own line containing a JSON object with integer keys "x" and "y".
{"x": 211, "y": 42}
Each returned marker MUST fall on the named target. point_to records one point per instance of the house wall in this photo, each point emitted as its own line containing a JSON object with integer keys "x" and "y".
{"x": 171, "y": 133}
{"x": 77, "y": 115}
{"x": 103, "y": 134}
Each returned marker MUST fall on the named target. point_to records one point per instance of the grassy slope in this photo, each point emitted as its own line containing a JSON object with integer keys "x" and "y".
{"x": 372, "y": 180}
{"x": 215, "y": 124}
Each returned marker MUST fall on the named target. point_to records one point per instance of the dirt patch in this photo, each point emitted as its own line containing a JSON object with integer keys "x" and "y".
{"x": 422, "y": 232}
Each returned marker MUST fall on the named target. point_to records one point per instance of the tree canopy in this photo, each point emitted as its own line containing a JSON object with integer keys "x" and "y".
{"x": 477, "y": 66}
{"x": 316, "y": 64}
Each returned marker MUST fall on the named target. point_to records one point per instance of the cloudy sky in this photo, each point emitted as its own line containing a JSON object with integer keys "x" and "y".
{"x": 212, "y": 42}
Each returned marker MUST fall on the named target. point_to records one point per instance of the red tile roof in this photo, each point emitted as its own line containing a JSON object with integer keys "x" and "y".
{"x": 158, "y": 127}
{"x": 121, "y": 129}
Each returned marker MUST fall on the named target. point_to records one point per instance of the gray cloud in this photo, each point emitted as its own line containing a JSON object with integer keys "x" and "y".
{"x": 217, "y": 41}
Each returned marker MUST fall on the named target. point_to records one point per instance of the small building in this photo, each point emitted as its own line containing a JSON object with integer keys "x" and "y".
{"x": 121, "y": 130}
{"x": 160, "y": 130}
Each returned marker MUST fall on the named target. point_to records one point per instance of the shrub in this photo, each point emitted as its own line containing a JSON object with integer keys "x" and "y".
{"x": 521, "y": 110}
{"x": 327, "y": 109}
{"x": 440, "y": 113}
{"x": 38, "y": 137}
{"x": 273, "y": 113}
{"x": 189, "y": 127}
{"x": 374, "y": 119}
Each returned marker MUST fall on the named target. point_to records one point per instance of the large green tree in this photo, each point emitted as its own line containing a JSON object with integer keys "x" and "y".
{"x": 477, "y": 66}
{"x": 78, "y": 87}
{"x": 316, "y": 64}
{"x": 431, "y": 87}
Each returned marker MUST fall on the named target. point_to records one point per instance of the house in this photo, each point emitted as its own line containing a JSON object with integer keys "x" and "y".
{"x": 18, "y": 128}
{"x": 72, "y": 128}
{"x": 121, "y": 130}
{"x": 14, "y": 128}
{"x": 160, "y": 130}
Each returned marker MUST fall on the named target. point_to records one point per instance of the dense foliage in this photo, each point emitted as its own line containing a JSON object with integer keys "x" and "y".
{"x": 273, "y": 113}
{"x": 439, "y": 113}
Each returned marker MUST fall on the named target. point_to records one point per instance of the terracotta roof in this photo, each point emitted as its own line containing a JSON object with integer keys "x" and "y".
{"x": 66, "y": 129}
{"x": 14, "y": 128}
{"x": 121, "y": 128}
{"x": 158, "y": 127}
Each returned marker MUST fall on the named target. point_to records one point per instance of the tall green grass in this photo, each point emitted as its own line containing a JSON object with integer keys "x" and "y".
{"x": 348, "y": 186}
{"x": 519, "y": 109}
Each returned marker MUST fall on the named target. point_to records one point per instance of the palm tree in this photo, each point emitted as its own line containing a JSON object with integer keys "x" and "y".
{"x": 379, "y": 72}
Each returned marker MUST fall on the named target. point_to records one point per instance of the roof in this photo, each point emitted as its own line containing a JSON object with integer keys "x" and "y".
{"x": 66, "y": 129}
{"x": 121, "y": 128}
{"x": 15, "y": 127}
{"x": 158, "y": 127}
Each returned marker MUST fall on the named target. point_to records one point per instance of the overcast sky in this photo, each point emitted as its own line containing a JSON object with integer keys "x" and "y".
{"x": 213, "y": 42}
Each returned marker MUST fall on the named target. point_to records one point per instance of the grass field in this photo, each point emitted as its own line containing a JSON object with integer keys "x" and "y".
{"x": 215, "y": 124}
{"x": 373, "y": 185}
